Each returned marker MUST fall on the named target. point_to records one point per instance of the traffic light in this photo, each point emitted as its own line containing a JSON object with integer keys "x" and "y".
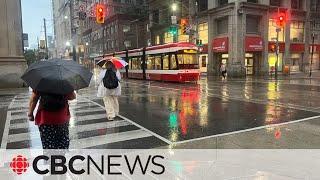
{"x": 183, "y": 25}
{"x": 199, "y": 42}
{"x": 100, "y": 13}
{"x": 281, "y": 20}
{"x": 273, "y": 48}
{"x": 173, "y": 30}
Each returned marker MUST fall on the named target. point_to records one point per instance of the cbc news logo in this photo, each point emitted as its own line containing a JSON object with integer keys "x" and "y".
{"x": 19, "y": 164}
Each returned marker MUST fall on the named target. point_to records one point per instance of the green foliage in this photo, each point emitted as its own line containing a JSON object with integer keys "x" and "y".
{"x": 30, "y": 56}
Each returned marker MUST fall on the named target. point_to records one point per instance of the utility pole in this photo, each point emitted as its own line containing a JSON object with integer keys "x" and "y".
{"x": 73, "y": 31}
{"x": 45, "y": 38}
{"x": 312, "y": 48}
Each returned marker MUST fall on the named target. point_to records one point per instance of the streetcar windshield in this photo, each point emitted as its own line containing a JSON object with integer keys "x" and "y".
{"x": 188, "y": 61}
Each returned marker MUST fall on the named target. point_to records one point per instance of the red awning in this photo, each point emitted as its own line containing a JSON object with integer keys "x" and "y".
{"x": 298, "y": 48}
{"x": 316, "y": 48}
{"x": 281, "y": 46}
{"x": 254, "y": 44}
{"x": 220, "y": 44}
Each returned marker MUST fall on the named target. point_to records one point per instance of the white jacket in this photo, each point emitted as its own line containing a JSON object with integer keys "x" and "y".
{"x": 103, "y": 91}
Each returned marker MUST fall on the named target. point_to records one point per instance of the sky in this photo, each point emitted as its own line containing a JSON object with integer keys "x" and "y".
{"x": 33, "y": 12}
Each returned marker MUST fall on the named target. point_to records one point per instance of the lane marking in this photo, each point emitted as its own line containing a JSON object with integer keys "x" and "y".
{"x": 6, "y": 126}
{"x": 247, "y": 130}
{"x": 134, "y": 123}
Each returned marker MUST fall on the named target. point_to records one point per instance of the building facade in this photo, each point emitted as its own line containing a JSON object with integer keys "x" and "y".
{"x": 125, "y": 28}
{"x": 243, "y": 34}
{"x": 12, "y": 63}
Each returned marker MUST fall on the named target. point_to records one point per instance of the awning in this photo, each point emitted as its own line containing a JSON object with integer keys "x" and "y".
{"x": 297, "y": 48}
{"x": 281, "y": 46}
{"x": 254, "y": 44}
{"x": 316, "y": 48}
{"x": 220, "y": 44}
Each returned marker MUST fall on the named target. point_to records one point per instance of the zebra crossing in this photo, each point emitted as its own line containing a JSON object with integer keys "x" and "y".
{"x": 88, "y": 128}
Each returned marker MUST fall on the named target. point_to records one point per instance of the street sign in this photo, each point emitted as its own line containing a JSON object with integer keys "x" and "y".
{"x": 25, "y": 40}
{"x": 174, "y": 20}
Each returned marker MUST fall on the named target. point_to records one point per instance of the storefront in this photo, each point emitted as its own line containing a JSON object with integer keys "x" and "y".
{"x": 203, "y": 58}
{"x": 220, "y": 47}
{"x": 253, "y": 55}
{"x": 296, "y": 57}
{"x": 315, "y": 58}
{"x": 272, "y": 56}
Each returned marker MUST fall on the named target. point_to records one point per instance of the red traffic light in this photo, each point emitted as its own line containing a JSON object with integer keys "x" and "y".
{"x": 281, "y": 20}
{"x": 100, "y": 13}
{"x": 184, "y": 21}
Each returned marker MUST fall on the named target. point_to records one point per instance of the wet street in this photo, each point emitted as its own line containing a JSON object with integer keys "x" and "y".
{"x": 235, "y": 113}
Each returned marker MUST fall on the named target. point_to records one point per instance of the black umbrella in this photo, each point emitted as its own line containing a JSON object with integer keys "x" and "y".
{"x": 57, "y": 76}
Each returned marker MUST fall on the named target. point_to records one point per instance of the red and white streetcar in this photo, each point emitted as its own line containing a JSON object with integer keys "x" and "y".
{"x": 176, "y": 62}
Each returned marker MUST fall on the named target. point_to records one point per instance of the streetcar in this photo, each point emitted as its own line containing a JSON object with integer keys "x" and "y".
{"x": 175, "y": 62}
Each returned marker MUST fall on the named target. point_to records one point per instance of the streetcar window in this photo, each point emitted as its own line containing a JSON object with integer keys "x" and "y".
{"x": 157, "y": 62}
{"x": 165, "y": 62}
{"x": 188, "y": 61}
{"x": 150, "y": 62}
{"x": 136, "y": 63}
{"x": 173, "y": 62}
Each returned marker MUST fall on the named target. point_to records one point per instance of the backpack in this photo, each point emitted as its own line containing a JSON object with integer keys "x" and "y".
{"x": 110, "y": 79}
{"x": 52, "y": 102}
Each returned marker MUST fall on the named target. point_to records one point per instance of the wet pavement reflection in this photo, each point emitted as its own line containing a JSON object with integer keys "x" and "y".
{"x": 180, "y": 112}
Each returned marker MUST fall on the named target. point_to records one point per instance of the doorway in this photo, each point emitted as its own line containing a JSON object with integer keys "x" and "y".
{"x": 249, "y": 64}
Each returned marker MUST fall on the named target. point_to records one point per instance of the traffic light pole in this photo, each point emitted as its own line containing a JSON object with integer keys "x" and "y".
{"x": 277, "y": 53}
{"x": 74, "y": 56}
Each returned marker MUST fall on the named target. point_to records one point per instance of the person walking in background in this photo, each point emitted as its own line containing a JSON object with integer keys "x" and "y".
{"x": 223, "y": 70}
{"x": 109, "y": 89}
{"x": 52, "y": 118}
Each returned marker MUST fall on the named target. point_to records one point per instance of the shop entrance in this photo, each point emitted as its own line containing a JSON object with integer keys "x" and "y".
{"x": 249, "y": 64}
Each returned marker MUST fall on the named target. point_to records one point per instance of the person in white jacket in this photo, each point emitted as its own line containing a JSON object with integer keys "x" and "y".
{"x": 110, "y": 96}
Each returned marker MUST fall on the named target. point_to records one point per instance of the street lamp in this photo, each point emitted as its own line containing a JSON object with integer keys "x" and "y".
{"x": 65, "y": 17}
{"x": 68, "y": 44}
{"x": 174, "y": 7}
{"x": 87, "y": 44}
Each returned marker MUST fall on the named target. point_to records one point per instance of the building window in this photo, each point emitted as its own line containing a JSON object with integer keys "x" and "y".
{"x": 168, "y": 37}
{"x": 296, "y": 4}
{"x": 126, "y": 28}
{"x": 157, "y": 40}
{"x": 182, "y": 37}
{"x": 202, "y": 5}
{"x": 253, "y": 1}
{"x": 273, "y": 32}
{"x": 253, "y": 23}
{"x": 155, "y": 16}
{"x": 222, "y": 2}
{"x": 203, "y": 32}
{"x": 275, "y": 2}
{"x": 297, "y": 31}
{"x": 127, "y": 44}
{"x": 222, "y": 25}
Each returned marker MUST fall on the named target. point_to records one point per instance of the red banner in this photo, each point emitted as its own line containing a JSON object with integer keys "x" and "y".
{"x": 297, "y": 48}
{"x": 254, "y": 44}
{"x": 220, "y": 44}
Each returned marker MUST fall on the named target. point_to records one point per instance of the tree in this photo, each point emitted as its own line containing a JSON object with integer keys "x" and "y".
{"x": 30, "y": 56}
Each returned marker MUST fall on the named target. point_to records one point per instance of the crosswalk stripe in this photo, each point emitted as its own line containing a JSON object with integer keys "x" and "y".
{"x": 108, "y": 138}
{"x": 34, "y": 135}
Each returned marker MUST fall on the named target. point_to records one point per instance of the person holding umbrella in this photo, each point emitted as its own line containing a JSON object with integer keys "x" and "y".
{"x": 109, "y": 87}
{"x": 53, "y": 83}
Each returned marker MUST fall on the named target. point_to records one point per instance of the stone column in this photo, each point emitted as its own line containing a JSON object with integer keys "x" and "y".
{"x": 12, "y": 63}
{"x": 236, "y": 43}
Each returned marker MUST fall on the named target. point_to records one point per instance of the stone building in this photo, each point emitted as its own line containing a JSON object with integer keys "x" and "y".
{"x": 12, "y": 63}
